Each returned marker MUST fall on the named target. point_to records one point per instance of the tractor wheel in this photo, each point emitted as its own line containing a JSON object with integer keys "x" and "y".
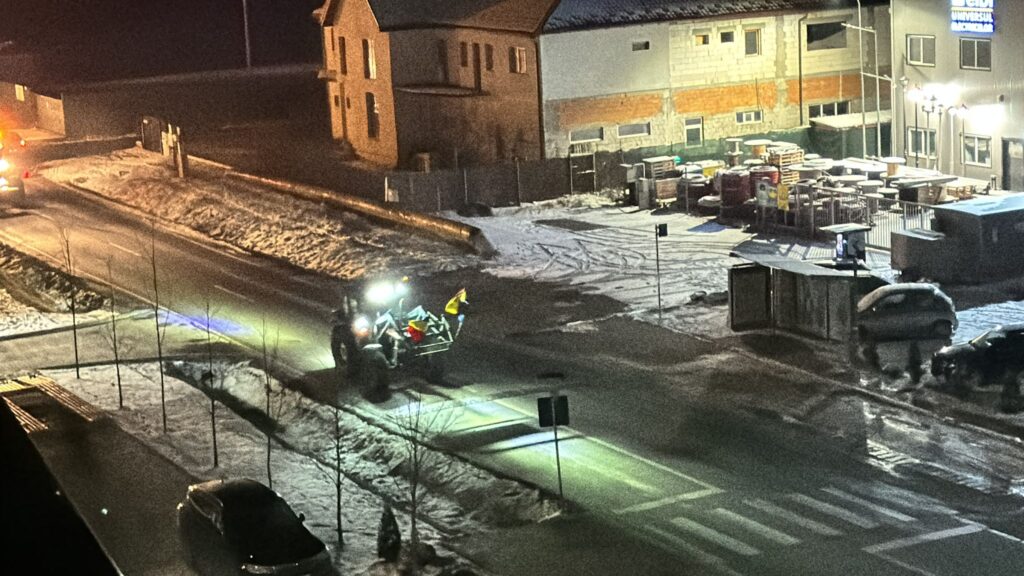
{"x": 375, "y": 369}
{"x": 436, "y": 368}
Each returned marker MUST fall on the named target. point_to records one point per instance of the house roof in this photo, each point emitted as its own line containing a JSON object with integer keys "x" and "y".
{"x": 579, "y": 14}
{"x": 524, "y": 16}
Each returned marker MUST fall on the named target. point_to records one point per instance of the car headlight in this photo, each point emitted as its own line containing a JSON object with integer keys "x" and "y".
{"x": 5, "y": 165}
{"x": 3, "y": 181}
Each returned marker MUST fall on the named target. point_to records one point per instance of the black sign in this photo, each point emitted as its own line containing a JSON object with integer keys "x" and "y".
{"x": 553, "y": 411}
{"x": 662, "y": 229}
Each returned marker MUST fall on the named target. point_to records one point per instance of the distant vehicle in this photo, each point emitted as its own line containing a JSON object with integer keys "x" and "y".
{"x": 905, "y": 312}
{"x": 12, "y": 168}
{"x": 11, "y": 141}
{"x": 995, "y": 355}
{"x": 239, "y": 526}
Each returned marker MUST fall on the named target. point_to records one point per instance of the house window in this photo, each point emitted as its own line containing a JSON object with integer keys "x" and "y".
{"x": 517, "y": 60}
{"x": 693, "y": 132}
{"x": 748, "y": 117}
{"x": 920, "y": 50}
{"x": 701, "y": 39}
{"x": 463, "y": 54}
{"x": 641, "y": 45}
{"x": 587, "y": 135}
{"x": 830, "y": 109}
{"x": 372, "y": 116}
{"x": 727, "y": 37}
{"x": 19, "y": 92}
{"x": 975, "y": 54}
{"x": 342, "y": 57}
{"x": 977, "y": 150}
{"x": 369, "y": 62}
{"x": 921, "y": 142}
{"x": 826, "y": 36}
{"x": 442, "y": 59}
{"x": 752, "y": 42}
{"x": 489, "y": 57}
{"x": 337, "y": 101}
{"x": 632, "y": 130}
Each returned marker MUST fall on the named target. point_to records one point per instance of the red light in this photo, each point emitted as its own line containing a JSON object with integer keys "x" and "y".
{"x": 27, "y": 174}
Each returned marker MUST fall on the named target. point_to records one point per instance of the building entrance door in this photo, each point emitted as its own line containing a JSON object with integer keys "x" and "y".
{"x": 1013, "y": 164}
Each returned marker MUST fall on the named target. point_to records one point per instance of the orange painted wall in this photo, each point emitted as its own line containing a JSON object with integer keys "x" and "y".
{"x": 607, "y": 110}
{"x": 831, "y": 88}
{"x": 725, "y": 99}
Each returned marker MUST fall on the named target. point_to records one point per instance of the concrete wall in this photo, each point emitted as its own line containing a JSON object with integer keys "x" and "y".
{"x": 50, "y": 114}
{"x": 354, "y": 22}
{"x": 978, "y": 90}
{"x": 447, "y": 115}
{"x": 678, "y": 79}
{"x": 14, "y": 110}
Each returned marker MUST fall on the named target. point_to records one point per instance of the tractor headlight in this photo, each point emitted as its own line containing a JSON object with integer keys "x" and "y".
{"x": 3, "y": 181}
{"x": 361, "y": 326}
{"x": 380, "y": 293}
{"x": 4, "y": 165}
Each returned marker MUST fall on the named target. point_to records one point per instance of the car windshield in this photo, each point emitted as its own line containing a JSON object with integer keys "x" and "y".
{"x": 268, "y": 532}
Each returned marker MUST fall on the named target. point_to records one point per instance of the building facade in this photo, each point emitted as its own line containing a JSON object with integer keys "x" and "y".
{"x": 701, "y": 76}
{"x": 416, "y": 84}
{"x": 960, "y": 95}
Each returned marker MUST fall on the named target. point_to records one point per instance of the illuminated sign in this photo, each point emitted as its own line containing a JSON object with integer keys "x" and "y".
{"x": 973, "y": 16}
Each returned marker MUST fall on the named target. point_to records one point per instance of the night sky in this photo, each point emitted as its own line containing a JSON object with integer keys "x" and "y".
{"x": 103, "y": 39}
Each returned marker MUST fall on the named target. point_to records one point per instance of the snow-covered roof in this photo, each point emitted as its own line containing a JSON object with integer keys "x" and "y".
{"x": 524, "y": 16}
{"x": 578, "y": 14}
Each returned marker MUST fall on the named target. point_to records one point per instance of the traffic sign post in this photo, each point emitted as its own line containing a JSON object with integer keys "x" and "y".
{"x": 659, "y": 231}
{"x": 553, "y": 411}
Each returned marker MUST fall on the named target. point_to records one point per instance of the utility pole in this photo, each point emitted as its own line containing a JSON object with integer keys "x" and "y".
{"x": 245, "y": 23}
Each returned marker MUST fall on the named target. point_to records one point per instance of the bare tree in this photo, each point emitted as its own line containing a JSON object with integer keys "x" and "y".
{"x": 113, "y": 333}
{"x": 69, "y": 268}
{"x": 211, "y": 381}
{"x": 161, "y": 328}
{"x": 269, "y": 362}
{"x": 420, "y": 426}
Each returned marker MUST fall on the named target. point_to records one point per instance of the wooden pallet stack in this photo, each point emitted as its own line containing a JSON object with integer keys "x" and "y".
{"x": 783, "y": 158}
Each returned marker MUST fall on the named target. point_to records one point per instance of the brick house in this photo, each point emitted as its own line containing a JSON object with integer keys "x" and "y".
{"x": 441, "y": 81}
{"x": 588, "y": 75}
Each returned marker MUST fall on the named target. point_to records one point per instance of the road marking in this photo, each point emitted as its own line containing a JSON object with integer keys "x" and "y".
{"x": 233, "y": 293}
{"x": 870, "y": 505}
{"x": 922, "y": 538}
{"x": 123, "y": 249}
{"x": 831, "y": 510}
{"x": 712, "y": 535}
{"x": 757, "y": 528}
{"x": 669, "y": 500}
{"x": 812, "y": 525}
{"x": 902, "y": 496}
{"x": 701, "y": 555}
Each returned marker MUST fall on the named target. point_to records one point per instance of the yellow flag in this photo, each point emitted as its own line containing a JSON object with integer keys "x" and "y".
{"x": 452, "y": 307}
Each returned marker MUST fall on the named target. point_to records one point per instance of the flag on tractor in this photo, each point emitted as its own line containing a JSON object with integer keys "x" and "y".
{"x": 416, "y": 330}
{"x": 452, "y": 307}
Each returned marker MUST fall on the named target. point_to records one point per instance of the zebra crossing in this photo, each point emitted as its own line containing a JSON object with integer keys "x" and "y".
{"x": 749, "y": 527}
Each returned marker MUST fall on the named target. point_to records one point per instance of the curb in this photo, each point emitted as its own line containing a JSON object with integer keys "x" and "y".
{"x": 464, "y": 234}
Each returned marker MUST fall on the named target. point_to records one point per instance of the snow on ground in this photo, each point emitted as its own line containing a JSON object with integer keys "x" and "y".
{"x": 341, "y": 244}
{"x": 306, "y": 485}
{"x": 17, "y": 318}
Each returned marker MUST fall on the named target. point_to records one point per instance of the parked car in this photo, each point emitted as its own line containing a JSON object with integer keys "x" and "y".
{"x": 239, "y": 526}
{"x": 905, "y": 312}
{"x": 992, "y": 357}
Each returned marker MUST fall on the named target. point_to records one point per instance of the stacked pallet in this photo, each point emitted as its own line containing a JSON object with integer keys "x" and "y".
{"x": 784, "y": 157}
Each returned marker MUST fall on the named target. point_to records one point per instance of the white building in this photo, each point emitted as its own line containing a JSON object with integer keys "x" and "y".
{"x": 960, "y": 96}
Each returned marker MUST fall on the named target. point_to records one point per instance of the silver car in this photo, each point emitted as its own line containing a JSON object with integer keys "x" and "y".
{"x": 906, "y": 312}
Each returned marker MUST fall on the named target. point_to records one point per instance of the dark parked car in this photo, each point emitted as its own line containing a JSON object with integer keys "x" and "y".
{"x": 993, "y": 357}
{"x": 240, "y": 526}
{"x": 905, "y": 312}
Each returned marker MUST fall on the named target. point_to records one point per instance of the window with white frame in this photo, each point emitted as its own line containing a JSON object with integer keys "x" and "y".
{"x": 826, "y": 36}
{"x": 587, "y": 135}
{"x": 749, "y": 117}
{"x": 727, "y": 37}
{"x": 752, "y": 42}
{"x": 977, "y": 150}
{"x": 693, "y": 132}
{"x": 517, "y": 60}
{"x": 975, "y": 54}
{"x": 921, "y": 142}
{"x": 920, "y": 50}
{"x": 830, "y": 109}
{"x": 369, "y": 62}
{"x": 641, "y": 45}
{"x": 372, "y": 116}
{"x": 633, "y": 130}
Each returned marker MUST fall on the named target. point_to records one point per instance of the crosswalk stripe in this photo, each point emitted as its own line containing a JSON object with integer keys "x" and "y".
{"x": 812, "y": 525}
{"x": 715, "y": 536}
{"x": 701, "y": 555}
{"x": 831, "y": 510}
{"x": 869, "y": 505}
{"x": 901, "y": 496}
{"x": 921, "y": 538}
{"x": 757, "y": 528}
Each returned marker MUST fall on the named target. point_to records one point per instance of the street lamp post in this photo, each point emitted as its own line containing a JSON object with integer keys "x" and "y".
{"x": 245, "y": 23}
{"x": 904, "y": 81}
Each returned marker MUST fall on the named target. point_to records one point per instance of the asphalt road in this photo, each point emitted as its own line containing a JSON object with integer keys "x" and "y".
{"x": 662, "y": 453}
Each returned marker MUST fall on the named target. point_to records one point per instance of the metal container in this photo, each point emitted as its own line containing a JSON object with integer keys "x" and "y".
{"x": 735, "y": 186}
